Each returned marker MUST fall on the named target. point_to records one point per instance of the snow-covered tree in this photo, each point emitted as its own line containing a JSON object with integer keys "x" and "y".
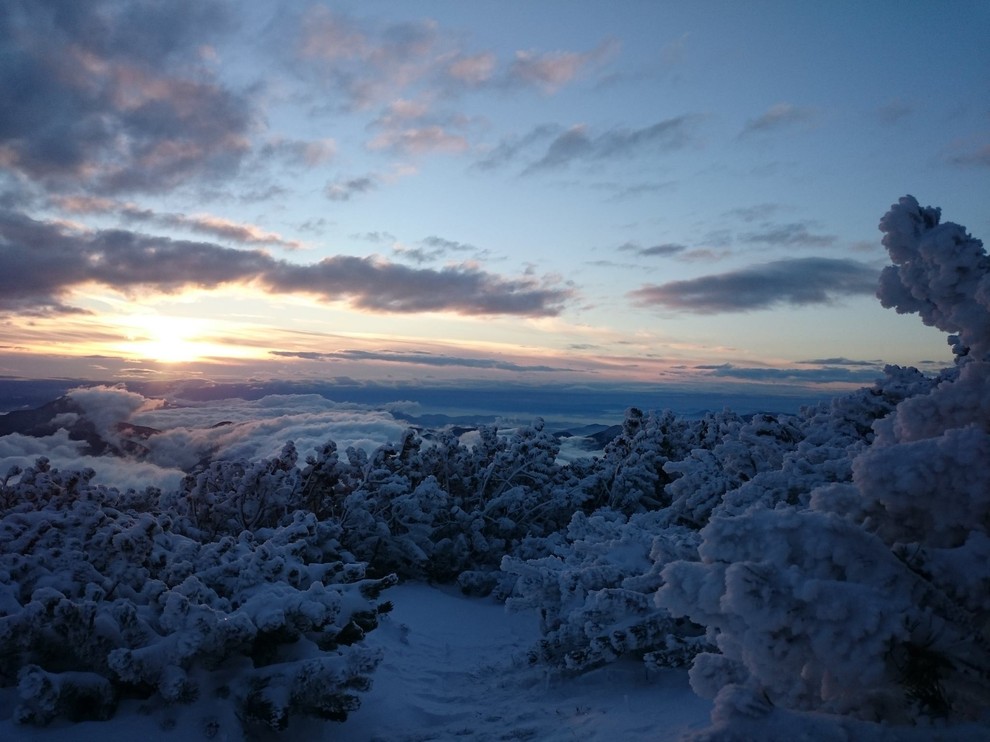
{"x": 870, "y": 594}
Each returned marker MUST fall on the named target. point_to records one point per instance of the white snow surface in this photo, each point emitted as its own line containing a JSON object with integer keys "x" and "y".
{"x": 454, "y": 668}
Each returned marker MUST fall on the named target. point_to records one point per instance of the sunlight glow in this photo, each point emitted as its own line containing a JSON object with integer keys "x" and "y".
{"x": 166, "y": 339}
{"x": 175, "y": 340}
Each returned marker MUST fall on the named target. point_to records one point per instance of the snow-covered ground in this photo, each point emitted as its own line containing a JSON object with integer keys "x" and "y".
{"x": 453, "y": 668}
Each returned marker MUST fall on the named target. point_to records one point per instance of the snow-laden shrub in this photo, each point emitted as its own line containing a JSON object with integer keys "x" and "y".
{"x": 438, "y": 511}
{"x": 867, "y": 595}
{"x": 594, "y": 594}
{"x": 231, "y": 496}
{"x": 104, "y": 598}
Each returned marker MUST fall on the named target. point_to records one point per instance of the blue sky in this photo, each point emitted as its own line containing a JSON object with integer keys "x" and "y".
{"x": 553, "y": 192}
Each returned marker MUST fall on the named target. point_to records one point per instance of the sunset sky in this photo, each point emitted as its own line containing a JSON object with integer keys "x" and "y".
{"x": 539, "y": 192}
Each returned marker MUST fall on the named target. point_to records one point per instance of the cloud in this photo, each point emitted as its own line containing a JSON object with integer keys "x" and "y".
{"x": 754, "y": 213}
{"x": 798, "y": 282}
{"x": 625, "y": 191}
{"x": 433, "y": 248}
{"x": 377, "y": 237}
{"x": 104, "y": 406}
{"x": 67, "y": 455}
{"x": 213, "y": 226}
{"x": 778, "y": 117}
{"x": 388, "y": 287}
{"x": 840, "y": 361}
{"x": 417, "y": 140}
{"x": 703, "y": 255}
{"x": 472, "y": 70}
{"x": 665, "y": 250}
{"x": 423, "y": 359}
{"x": 789, "y": 235}
{"x": 110, "y": 94}
{"x": 362, "y": 61}
{"x": 577, "y": 144}
{"x": 191, "y": 432}
{"x": 306, "y": 153}
{"x": 410, "y": 127}
{"x": 368, "y": 61}
{"x": 826, "y": 375}
{"x": 551, "y": 71}
{"x": 509, "y": 148}
{"x": 345, "y": 190}
{"x": 971, "y": 157}
{"x": 440, "y": 243}
{"x": 42, "y": 261}
{"x": 259, "y": 428}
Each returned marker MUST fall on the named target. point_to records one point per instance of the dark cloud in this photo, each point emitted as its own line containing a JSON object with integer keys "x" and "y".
{"x": 42, "y": 261}
{"x": 417, "y": 255}
{"x": 424, "y": 359}
{"x": 213, "y": 226}
{"x": 779, "y": 117}
{"x": 433, "y": 248}
{"x": 510, "y": 148}
{"x": 825, "y": 375}
{"x": 789, "y": 235}
{"x": 439, "y": 243}
{"x": 577, "y": 144}
{"x": 389, "y": 287}
{"x": 376, "y": 237}
{"x": 111, "y": 93}
{"x": 665, "y": 250}
{"x": 797, "y": 282}
{"x": 814, "y": 376}
{"x": 316, "y": 226}
{"x": 842, "y": 362}
{"x": 344, "y": 190}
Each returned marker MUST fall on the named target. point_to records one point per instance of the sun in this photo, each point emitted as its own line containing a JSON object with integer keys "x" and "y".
{"x": 166, "y": 339}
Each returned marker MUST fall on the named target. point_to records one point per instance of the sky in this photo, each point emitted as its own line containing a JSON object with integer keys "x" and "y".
{"x": 449, "y": 193}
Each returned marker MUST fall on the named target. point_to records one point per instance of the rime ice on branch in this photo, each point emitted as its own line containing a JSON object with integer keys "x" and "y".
{"x": 939, "y": 271}
{"x": 799, "y": 623}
